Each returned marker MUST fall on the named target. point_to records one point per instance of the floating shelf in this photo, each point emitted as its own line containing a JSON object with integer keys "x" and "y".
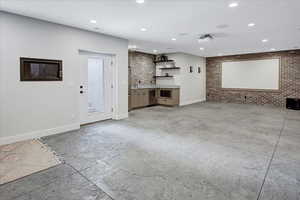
{"x": 166, "y": 61}
{"x": 163, "y": 76}
{"x": 166, "y": 68}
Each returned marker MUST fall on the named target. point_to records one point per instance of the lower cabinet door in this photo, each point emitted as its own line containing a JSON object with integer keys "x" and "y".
{"x": 132, "y": 103}
{"x": 134, "y": 100}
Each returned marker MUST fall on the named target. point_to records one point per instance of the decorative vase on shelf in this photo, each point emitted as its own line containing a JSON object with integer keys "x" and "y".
{"x": 164, "y": 58}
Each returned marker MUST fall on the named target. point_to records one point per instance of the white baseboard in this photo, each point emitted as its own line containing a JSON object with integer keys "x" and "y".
{"x": 191, "y": 102}
{"x": 38, "y": 134}
{"x": 121, "y": 116}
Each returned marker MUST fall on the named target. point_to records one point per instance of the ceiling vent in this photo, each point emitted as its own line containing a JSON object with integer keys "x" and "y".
{"x": 205, "y": 38}
{"x": 211, "y": 36}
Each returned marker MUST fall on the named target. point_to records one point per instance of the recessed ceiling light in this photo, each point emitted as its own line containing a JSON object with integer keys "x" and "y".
{"x": 140, "y": 1}
{"x": 143, "y": 29}
{"x": 233, "y": 4}
{"x": 93, "y": 21}
{"x": 174, "y": 39}
{"x": 273, "y": 49}
{"x": 183, "y": 34}
{"x": 155, "y": 51}
{"x": 251, "y": 24}
{"x": 222, "y": 26}
{"x": 201, "y": 48}
{"x": 265, "y": 40}
{"x": 132, "y": 46}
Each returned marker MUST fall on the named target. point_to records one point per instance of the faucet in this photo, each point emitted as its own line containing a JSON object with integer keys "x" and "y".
{"x": 136, "y": 83}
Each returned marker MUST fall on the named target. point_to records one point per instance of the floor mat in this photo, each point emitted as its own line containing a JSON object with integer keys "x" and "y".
{"x": 24, "y": 158}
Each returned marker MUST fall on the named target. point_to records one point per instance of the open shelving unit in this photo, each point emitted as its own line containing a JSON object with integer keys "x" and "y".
{"x": 169, "y": 68}
{"x": 163, "y": 76}
{"x": 163, "y": 61}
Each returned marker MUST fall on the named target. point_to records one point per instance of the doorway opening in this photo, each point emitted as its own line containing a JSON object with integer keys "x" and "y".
{"x": 96, "y": 88}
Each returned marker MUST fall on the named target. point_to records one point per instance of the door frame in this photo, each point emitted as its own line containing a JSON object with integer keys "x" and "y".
{"x": 114, "y": 84}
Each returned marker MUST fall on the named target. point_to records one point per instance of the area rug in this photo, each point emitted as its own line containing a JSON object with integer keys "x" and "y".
{"x": 24, "y": 158}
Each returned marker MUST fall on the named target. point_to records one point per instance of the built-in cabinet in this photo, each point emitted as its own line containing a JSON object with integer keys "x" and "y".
{"x": 145, "y": 97}
{"x": 139, "y": 98}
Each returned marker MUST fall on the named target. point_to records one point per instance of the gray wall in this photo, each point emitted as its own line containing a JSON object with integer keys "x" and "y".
{"x": 30, "y": 109}
{"x": 192, "y": 85}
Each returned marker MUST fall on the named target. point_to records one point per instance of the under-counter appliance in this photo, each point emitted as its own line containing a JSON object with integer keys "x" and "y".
{"x": 165, "y": 93}
{"x": 168, "y": 96}
{"x": 293, "y": 103}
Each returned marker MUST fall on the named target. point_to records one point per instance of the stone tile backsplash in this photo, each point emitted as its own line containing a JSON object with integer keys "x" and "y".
{"x": 142, "y": 68}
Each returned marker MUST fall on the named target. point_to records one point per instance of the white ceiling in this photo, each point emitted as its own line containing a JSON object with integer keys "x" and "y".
{"x": 276, "y": 20}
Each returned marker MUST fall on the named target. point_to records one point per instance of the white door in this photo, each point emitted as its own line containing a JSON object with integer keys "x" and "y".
{"x": 96, "y": 88}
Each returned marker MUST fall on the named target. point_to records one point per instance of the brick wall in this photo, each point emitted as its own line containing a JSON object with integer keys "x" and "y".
{"x": 289, "y": 83}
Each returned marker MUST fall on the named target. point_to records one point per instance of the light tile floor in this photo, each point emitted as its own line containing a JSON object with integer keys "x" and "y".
{"x": 24, "y": 158}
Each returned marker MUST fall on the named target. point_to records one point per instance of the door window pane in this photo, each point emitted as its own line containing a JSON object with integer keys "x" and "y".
{"x": 95, "y": 85}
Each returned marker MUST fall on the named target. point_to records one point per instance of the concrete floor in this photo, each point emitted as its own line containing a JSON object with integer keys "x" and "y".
{"x": 203, "y": 151}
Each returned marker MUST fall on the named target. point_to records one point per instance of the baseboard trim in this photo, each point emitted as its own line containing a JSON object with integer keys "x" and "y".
{"x": 192, "y": 102}
{"x": 121, "y": 116}
{"x": 39, "y": 134}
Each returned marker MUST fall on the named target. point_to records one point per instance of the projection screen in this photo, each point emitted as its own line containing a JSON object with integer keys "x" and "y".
{"x": 251, "y": 74}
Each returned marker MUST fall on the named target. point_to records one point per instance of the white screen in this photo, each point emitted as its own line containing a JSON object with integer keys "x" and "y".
{"x": 254, "y": 74}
